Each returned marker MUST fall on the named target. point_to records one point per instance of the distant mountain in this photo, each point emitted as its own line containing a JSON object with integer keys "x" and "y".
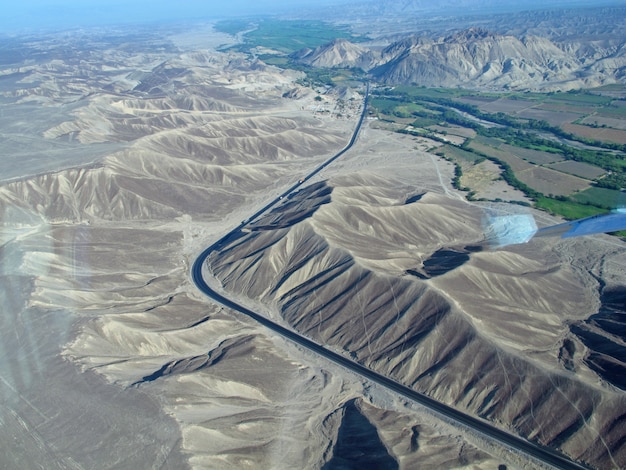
{"x": 338, "y": 53}
{"x": 478, "y": 57}
{"x": 460, "y": 8}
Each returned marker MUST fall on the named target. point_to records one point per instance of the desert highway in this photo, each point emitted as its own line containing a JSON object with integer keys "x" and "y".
{"x": 542, "y": 454}
{"x": 292, "y": 188}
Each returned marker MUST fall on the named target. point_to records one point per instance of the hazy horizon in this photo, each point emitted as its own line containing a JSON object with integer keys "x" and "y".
{"x": 46, "y": 15}
{"x": 32, "y": 15}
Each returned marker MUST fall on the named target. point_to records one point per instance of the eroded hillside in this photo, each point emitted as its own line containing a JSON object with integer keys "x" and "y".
{"x": 478, "y": 58}
{"x": 95, "y": 270}
{"x": 402, "y": 286}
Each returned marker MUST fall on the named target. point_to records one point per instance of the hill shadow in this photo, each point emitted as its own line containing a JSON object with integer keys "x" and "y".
{"x": 358, "y": 444}
{"x": 605, "y": 334}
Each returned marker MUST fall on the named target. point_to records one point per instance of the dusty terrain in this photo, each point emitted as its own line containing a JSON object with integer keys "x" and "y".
{"x": 479, "y": 59}
{"x": 112, "y": 358}
{"x": 398, "y": 283}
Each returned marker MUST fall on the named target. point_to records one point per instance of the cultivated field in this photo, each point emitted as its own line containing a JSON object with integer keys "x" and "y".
{"x": 454, "y": 130}
{"x": 602, "y": 120}
{"x": 583, "y": 170}
{"x": 609, "y": 198}
{"x": 603, "y": 134}
{"x": 516, "y": 163}
{"x": 458, "y": 154}
{"x": 553, "y": 182}
{"x": 537, "y": 157}
{"x": 505, "y": 105}
{"x": 525, "y": 132}
{"x": 555, "y": 118}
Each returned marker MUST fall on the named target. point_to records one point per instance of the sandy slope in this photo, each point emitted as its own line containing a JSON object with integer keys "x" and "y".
{"x": 489, "y": 337}
{"x": 96, "y": 261}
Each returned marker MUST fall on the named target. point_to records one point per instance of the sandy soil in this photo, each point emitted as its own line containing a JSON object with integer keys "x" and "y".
{"x": 503, "y": 334}
{"x": 112, "y": 358}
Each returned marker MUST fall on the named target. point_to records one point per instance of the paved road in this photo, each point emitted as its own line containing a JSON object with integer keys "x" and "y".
{"x": 541, "y": 453}
{"x": 291, "y": 189}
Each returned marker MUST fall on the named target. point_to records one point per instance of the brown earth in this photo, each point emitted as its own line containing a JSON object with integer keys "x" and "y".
{"x": 96, "y": 277}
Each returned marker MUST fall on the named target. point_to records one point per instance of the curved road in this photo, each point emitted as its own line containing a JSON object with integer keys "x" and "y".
{"x": 541, "y": 453}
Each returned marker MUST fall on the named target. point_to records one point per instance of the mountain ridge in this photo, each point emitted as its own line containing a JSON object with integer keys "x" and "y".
{"x": 478, "y": 57}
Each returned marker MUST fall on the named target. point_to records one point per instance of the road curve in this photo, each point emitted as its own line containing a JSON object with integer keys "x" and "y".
{"x": 541, "y": 453}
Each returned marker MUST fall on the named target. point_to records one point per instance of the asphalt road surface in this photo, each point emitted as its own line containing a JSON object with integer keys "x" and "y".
{"x": 543, "y": 454}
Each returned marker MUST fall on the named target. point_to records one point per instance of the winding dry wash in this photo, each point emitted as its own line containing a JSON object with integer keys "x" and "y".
{"x": 104, "y": 333}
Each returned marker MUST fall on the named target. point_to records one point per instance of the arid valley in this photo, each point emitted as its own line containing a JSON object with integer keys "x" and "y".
{"x": 127, "y": 153}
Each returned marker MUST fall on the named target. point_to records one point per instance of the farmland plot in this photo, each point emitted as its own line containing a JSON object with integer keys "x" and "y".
{"x": 507, "y": 106}
{"x": 548, "y": 181}
{"x": 555, "y": 118}
{"x": 584, "y": 170}
{"x": 516, "y": 163}
{"x": 604, "y": 134}
{"x": 614, "y": 123}
{"x": 609, "y": 198}
{"x": 537, "y": 157}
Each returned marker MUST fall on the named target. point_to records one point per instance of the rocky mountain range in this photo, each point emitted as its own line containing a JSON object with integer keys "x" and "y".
{"x": 477, "y": 57}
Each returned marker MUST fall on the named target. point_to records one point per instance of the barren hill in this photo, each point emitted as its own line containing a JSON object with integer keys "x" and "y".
{"x": 487, "y": 332}
{"x": 102, "y": 328}
{"x": 375, "y": 257}
{"x": 337, "y": 53}
{"x": 478, "y": 58}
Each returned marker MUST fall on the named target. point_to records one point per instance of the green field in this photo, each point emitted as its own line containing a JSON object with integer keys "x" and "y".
{"x": 403, "y": 109}
{"x": 613, "y": 111}
{"x": 520, "y": 146}
{"x": 611, "y": 88}
{"x": 284, "y": 36}
{"x": 277, "y": 60}
{"x": 568, "y": 209}
{"x": 516, "y": 163}
{"x": 233, "y": 26}
{"x": 423, "y": 92}
{"x": 579, "y": 98}
{"x": 601, "y": 197}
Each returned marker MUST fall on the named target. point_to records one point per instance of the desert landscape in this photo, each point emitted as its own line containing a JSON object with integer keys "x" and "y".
{"x": 128, "y": 153}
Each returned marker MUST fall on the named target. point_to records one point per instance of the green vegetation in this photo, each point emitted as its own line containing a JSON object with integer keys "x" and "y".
{"x": 517, "y": 138}
{"x": 580, "y": 97}
{"x": 423, "y": 107}
{"x": 568, "y": 209}
{"x": 458, "y": 174}
{"x": 277, "y": 60}
{"x": 449, "y": 106}
{"x": 449, "y": 98}
{"x": 615, "y": 181}
{"x": 424, "y": 122}
{"x": 601, "y": 197}
{"x": 457, "y": 154}
{"x": 613, "y": 111}
{"x": 283, "y": 36}
{"x": 233, "y": 26}
{"x": 325, "y": 77}
{"x": 415, "y": 92}
{"x": 422, "y": 116}
{"x": 611, "y": 88}
{"x": 291, "y": 36}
